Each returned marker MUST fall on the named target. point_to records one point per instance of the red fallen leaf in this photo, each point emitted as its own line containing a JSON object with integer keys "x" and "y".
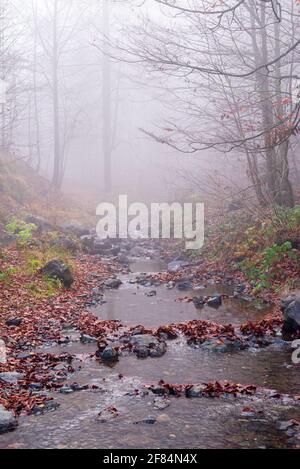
{"x": 248, "y": 410}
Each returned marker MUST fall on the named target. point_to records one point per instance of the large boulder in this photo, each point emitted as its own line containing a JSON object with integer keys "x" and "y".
{"x": 56, "y": 269}
{"x": 8, "y": 422}
{"x": 146, "y": 342}
{"x": 291, "y": 315}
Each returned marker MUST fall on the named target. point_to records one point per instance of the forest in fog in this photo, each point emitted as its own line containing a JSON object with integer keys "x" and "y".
{"x": 149, "y": 227}
{"x": 95, "y": 88}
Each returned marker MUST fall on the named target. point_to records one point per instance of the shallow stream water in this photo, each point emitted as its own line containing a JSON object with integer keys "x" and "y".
{"x": 186, "y": 423}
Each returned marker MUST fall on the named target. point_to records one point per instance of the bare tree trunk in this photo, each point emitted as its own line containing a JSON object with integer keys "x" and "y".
{"x": 56, "y": 179}
{"x": 285, "y": 190}
{"x": 35, "y": 97}
{"x": 106, "y": 111}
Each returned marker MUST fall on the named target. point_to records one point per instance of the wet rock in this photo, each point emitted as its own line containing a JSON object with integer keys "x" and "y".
{"x": 58, "y": 270}
{"x": 107, "y": 414}
{"x": 123, "y": 259}
{"x": 158, "y": 350}
{"x": 11, "y": 377}
{"x": 170, "y": 285}
{"x": 146, "y": 340}
{"x": 77, "y": 387}
{"x": 151, "y": 293}
{"x": 109, "y": 354}
{"x": 185, "y": 285}
{"x": 196, "y": 390}
{"x": 142, "y": 279}
{"x": 66, "y": 390}
{"x": 148, "y": 421}
{"x": 161, "y": 403}
{"x": 13, "y": 322}
{"x": 48, "y": 406}
{"x": 240, "y": 288}
{"x": 141, "y": 351}
{"x": 87, "y": 339}
{"x": 223, "y": 345}
{"x": 35, "y": 386}
{"x": 176, "y": 265}
{"x": 8, "y": 422}
{"x": 291, "y": 315}
{"x": 215, "y": 301}
{"x": 113, "y": 283}
{"x": 199, "y": 302}
{"x": 158, "y": 390}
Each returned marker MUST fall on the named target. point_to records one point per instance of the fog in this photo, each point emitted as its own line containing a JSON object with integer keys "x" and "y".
{"x": 93, "y": 86}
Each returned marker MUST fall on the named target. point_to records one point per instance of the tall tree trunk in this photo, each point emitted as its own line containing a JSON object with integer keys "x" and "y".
{"x": 56, "y": 180}
{"x": 285, "y": 191}
{"x": 106, "y": 111}
{"x": 35, "y": 96}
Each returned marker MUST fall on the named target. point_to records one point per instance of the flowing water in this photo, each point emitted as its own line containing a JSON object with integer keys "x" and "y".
{"x": 186, "y": 423}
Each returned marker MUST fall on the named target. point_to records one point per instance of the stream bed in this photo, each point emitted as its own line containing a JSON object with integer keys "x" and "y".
{"x": 184, "y": 423}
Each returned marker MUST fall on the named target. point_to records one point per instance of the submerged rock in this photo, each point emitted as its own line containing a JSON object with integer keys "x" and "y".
{"x": 113, "y": 283}
{"x": 8, "y": 422}
{"x": 109, "y": 354}
{"x": 87, "y": 339}
{"x": 56, "y": 269}
{"x": 184, "y": 285}
{"x": 222, "y": 345}
{"x": 215, "y": 301}
{"x": 148, "y": 421}
{"x": 199, "y": 302}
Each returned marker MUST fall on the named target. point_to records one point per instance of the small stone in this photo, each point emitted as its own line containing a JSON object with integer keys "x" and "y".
{"x": 161, "y": 403}
{"x": 113, "y": 283}
{"x": 215, "y": 301}
{"x": 87, "y": 339}
{"x": 199, "y": 302}
{"x": 10, "y": 377}
{"x": 13, "y": 322}
{"x": 149, "y": 421}
{"x": 151, "y": 293}
{"x": 185, "y": 285}
{"x": 109, "y": 354}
